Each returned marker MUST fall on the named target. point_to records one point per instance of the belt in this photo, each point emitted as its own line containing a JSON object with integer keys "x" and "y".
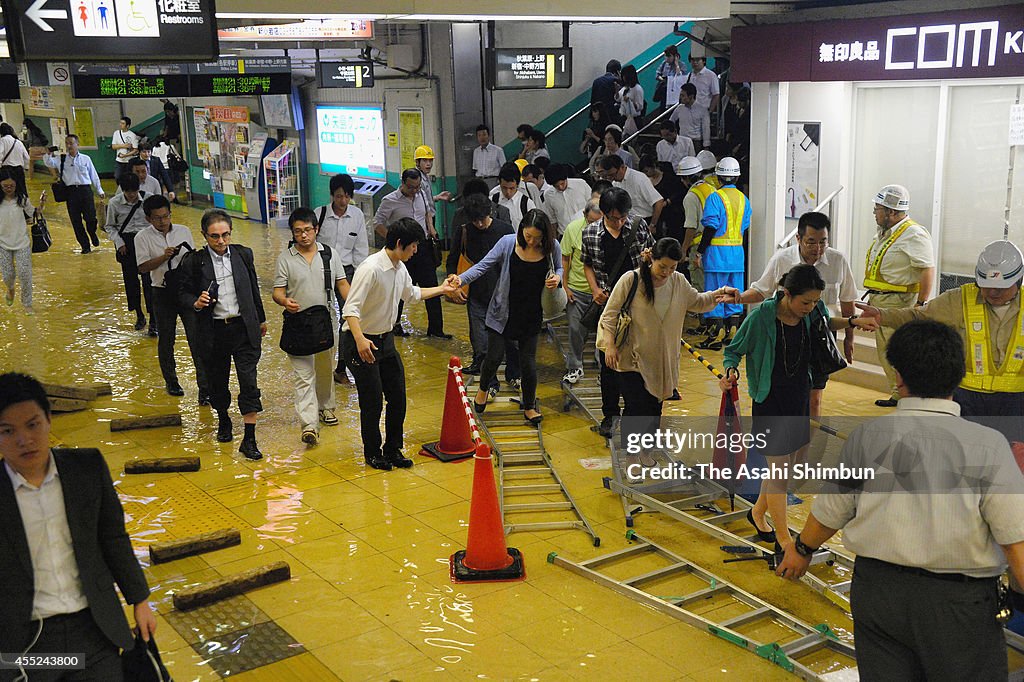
{"x": 914, "y": 570}
{"x": 228, "y": 320}
{"x": 377, "y": 337}
{"x": 876, "y": 291}
{"x": 65, "y": 616}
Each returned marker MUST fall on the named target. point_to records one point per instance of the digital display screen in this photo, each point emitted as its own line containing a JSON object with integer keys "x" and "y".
{"x": 346, "y": 74}
{"x": 99, "y": 87}
{"x": 351, "y": 140}
{"x": 529, "y": 68}
{"x": 216, "y": 85}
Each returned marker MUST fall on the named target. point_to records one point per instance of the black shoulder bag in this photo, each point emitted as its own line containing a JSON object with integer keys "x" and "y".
{"x": 61, "y": 192}
{"x": 310, "y": 331}
{"x": 592, "y": 314}
{"x": 124, "y": 225}
{"x": 825, "y": 358}
{"x": 172, "y": 278}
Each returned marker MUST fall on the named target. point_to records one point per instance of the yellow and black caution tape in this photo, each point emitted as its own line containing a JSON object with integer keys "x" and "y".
{"x": 711, "y": 368}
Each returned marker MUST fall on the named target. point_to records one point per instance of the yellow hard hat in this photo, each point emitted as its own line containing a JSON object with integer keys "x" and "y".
{"x": 423, "y": 152}
{"x": 522, "y": 163}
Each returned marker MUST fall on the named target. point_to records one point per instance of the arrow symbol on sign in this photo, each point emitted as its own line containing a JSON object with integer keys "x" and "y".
{"x": 36, "y": 13}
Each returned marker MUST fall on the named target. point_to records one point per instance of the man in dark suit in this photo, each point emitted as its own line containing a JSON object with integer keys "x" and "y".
{"x": 219, "y": 283}
{"x": 63, "y": 545}
{"x": 157, "y": 169}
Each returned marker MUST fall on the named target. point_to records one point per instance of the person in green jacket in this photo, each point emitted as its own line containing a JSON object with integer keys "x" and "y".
{"x": 776, "y": 340}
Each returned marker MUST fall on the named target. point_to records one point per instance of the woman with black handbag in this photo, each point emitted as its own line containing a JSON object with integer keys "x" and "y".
{"x": 784, "y": 339}
{"x": 16, "y": 214}
{"x": 303, "y": 286}
{"x": 640, "y": 329}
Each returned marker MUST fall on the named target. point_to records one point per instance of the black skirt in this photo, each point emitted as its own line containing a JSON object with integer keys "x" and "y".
{"x": 784, "y": 413}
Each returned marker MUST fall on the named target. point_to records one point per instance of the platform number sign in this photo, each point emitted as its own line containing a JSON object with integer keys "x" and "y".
{"x": 529, "y": 68}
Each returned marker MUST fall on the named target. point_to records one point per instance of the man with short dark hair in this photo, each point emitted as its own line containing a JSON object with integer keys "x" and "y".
{"x": 125, "y": 219}
{"x": 522, "y": 132}
{"x": 692, "y": 120}
{"x": 705, "y": 81}
{"x": 368, "y": 344}
{"x": 566, "y": 198}
{"x": 147, "y": 183}
{"x": 63, "y": 547}
{"x": 933, "y": 529}
{"x": 409, "y": 201}
{"x": 673, "y": 147}
{"x": 604, "y": 87}
{"x": 488, "y": 158}
{"x": 125, "y": 144}
{"x": 647, "y": 203}
{"x": 219, "y": 283}
{"x": 158, "y": 252}
{"x": 612, "y": 247}
{"x": 509, "y": 195}
{"x": 535, "y": 146}
{"x": 342, "y": 226}
{"x": 156, "y": 169}
{"x": 307, "y": 274}
{"x": 77, "y": 171}
{"x": 536, "y": 185}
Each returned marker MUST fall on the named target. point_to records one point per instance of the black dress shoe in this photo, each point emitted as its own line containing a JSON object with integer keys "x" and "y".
{"x": 398, "y": 460}
{"x": 140, "y": 323}
{"x": 175, "y": 390}
{"x": 204, "y": 400}
{"x": 378, "y": 463}
{"x": 607, "y": 427}
{"x": 762, "y": 535}
{"x": 887, "y": 402}
{"x": 249, "y": 449}
{"x": 398, "y": 330}
{"x": 95, "y": 240}
{"x": 439, "y": 335}
{"x": 86, "y": 250}
{"x": 152, "y": 330}
{"x": 224, "y": 434}
{"x": 472, "y": 370}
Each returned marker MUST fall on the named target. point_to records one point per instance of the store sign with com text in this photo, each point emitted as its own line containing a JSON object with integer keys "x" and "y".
{"x": 981, "y": 43}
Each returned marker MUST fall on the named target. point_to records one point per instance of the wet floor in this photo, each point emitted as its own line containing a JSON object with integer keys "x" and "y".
{"x": 369, "y": 597}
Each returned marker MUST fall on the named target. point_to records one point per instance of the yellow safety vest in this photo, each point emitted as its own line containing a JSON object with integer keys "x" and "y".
{"x": 735, "y": 204}
{"x": 981, "y": 375}
{"x": 703, "y": 190}
{"x": 873, "y": 268}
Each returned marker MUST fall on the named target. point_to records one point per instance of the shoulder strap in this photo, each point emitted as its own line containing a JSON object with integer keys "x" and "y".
{"x": 522, "y": 204}
{"x": 60, "y": 175}
{"x": 9, "y": 150}
{"x": 628, "y": 303}
{"x": 325, "y": 255}
{"x": 494, "y": 197}
{"x": 128, "y": 218}
{"x": 323, "y": 214}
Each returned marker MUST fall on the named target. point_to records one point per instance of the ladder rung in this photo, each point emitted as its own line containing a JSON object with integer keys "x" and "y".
{"x": 803, "y": 645}
{"x": 516, "y": 444}
{"x": 747, "y": 617}
{"x": 510, "y": 459}
{"x": 722, "y": 519}
{"x": 536, "y": 488}
{"x": 546, "y": 525}
{"x": 700, "y": 594}
{"x": 539, "y": 506}
{"x": 615, "y": 556}
{"x": 658, "y": 573}
{"x": 843, "y": 587}
{"x": 527, "y": 471}
{"x": 517, "y": 432}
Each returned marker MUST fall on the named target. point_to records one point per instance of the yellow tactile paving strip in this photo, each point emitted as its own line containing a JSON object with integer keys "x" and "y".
{"x": 370, "y": 597}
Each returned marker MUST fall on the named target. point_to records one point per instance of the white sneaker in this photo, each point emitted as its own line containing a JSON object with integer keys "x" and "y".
{"x": 328, "y": 417}
{"x": 310, "y": 437}
{"x": 572, "y": 376}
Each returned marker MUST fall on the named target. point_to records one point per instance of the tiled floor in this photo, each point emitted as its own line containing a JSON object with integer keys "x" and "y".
{"x": 370, "y": 597}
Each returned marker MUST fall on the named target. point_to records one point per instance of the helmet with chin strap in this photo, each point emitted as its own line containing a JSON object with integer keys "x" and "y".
{"x": 1000, "y": 266}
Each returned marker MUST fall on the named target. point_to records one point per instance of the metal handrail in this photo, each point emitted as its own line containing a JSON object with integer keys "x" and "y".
{"x": 586, "y": 106}
{"x": 825, "y": 202}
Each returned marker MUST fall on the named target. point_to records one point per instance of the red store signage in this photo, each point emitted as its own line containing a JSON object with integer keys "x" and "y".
{"x": 980, "y": 43}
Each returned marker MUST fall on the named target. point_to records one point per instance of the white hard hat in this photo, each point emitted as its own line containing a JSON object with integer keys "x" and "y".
{"x": 1000, "y": 266}
{"x": 728, "y": 167}
{"x": 707, "y": 160}
{"x": 896, "y": 197}
{"x": 688, "y": 165}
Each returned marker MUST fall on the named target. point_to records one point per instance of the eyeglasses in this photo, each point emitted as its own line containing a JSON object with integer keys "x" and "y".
{"x": 298, "y": 231}
{"x": 224, "y": 236}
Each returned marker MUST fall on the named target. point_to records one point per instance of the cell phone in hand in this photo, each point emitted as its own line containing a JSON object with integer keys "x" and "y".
{"x": 213, "y": 290}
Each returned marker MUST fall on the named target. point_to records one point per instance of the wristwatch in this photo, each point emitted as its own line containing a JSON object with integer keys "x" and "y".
{"x": 850, "y": 320}
{"x": 803, "y": 549}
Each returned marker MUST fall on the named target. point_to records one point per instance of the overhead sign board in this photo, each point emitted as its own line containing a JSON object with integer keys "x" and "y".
{"x": 986, "y": 42}
{"x": 311, "y": 29}
{"x": 111, "y": 30}
{"x": 352, "y": 74}
{"x": 126, "y": 87}
{"x": 222, "y": 85}
{"x": 529, "y": 68}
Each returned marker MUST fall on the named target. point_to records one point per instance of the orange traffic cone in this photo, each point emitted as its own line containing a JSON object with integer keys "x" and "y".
{"x": 486, "y": 558}
{"x": 457, "y": 440}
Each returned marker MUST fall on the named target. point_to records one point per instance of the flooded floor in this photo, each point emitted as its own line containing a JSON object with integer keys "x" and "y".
{"x": 370, "y": 596}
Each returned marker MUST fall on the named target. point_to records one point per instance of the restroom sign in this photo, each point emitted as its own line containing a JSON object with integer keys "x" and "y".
{"x": 111, "y": 30}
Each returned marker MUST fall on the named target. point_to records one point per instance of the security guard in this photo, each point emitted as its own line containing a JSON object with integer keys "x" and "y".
{"x": 720, "y": 252}
{"x": 691, "y": 174}
{"x": 987, "y": 313}
{"x": 899, "y": 267}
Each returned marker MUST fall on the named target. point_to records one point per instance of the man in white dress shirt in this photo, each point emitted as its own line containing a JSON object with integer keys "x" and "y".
{"x": 673, "y": 147}
{"x": 125, "y": 220}
{"x": 368, "y": 343}
{"x": 840, "y": 287}
{"x": 79, "y": 174}
{"x": 488, "y": 158}
{"x": 567, "y": 198}
{"x": 125, "y": 144}
{"x": 647, "y": 202}
{"x": 508, "y": 194}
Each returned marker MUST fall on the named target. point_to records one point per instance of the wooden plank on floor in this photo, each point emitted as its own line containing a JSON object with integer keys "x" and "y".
{"x": 231, "y": 586}
{"x": 130, "y": 423}
{"x": 160, "y": 552}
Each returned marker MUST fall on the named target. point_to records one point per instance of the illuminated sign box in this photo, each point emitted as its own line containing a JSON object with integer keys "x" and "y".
{"x": 312, "y": 29}
{"x": 529, "y": 68}
{"x": 128, "y": 86}
{"x": 111, "y": 30}
{"x": 354, "y": 74}
{"x": 216, "y": 85}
